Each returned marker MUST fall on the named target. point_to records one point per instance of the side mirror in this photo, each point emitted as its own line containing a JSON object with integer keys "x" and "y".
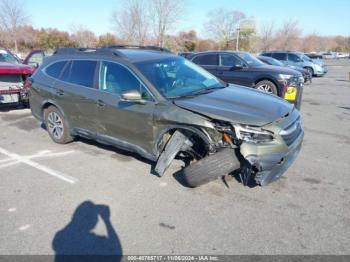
{"x": 132, "y": 96}
{"x": 237, "y": 67}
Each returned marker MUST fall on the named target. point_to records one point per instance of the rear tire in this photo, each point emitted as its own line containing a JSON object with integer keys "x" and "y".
{"x": 267, "y": 87}
{"x": 57, "y": 126}
{"x": 211, "y": 168}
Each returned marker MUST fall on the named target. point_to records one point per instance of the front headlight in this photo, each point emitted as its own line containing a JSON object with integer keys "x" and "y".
{"x": 285, "y": 77}
{"x": 318, "y": 68}
{"x": 253, "y": 134}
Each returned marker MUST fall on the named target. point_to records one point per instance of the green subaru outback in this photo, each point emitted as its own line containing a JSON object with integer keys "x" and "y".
{"x": 161, "y": 106}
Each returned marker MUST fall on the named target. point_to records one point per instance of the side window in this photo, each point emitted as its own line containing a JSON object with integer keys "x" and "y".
{"x": 55, "y": 69}
{"x": 116, "y": 79}
{"x": 210, "y": 59}
{"x": 229, "y": 60}
{"x": 83, "y": 72}
{"x": 294, "y": 58}
{"x": 266, "y": 54}
{"x": 280, "y": 56}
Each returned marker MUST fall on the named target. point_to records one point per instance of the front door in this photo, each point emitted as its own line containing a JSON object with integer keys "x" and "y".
{"x": 124, "y": 122}
{"x": 233, "y": 70}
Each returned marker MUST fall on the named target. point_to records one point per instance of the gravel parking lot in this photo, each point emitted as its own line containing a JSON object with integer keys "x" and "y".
{"x": 305, "y": 212}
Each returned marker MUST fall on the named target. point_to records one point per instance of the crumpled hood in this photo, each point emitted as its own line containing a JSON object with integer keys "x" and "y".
{"x": 237, "y": 104}
{"x": 8, "y": 68}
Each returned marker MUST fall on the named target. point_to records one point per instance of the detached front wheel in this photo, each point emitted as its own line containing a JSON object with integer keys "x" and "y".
{"x": 211, "y": 167}
{"x": 57, "y": 126}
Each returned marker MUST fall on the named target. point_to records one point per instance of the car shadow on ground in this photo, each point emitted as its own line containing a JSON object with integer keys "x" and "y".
{"x": 77, "y": 241}
{"x": 6, "y": 108}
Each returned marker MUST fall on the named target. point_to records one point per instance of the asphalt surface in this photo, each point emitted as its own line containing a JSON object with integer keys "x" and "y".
{"x": 305, "y": 212}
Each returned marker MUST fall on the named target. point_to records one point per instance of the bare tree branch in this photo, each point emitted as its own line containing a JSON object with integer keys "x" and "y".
{"x": 83, "y": 36}
{"x": 132, "y": 22}
{"x": 165, "y": 15}
{"x": 266, "y": 35}
{"x": 12, "y": 17}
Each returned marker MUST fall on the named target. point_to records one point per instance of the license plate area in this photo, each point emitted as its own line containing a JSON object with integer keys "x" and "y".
{"x": 9, "y": 98}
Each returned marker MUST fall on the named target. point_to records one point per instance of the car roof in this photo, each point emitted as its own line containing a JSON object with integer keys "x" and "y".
{"x": 135, "y": 55}
{"x": 132, "y": 54}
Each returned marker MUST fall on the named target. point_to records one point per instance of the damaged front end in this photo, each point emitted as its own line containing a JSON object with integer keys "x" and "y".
{"x": 263, "y": 153}
{"x": 269, "y": 157}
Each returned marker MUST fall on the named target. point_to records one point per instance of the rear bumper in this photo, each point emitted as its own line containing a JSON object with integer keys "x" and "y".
{"x": 272, "y": 166}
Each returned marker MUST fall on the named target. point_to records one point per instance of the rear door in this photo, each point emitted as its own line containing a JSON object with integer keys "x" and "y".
{"x": 233, "y": 70}
{"x": 123, "y": 121}
{"x": 209, "y": 62}
{"x": 76, "y": 93}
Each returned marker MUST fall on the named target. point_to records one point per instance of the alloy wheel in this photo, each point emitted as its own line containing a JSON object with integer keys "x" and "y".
{"x": 55, "y": 125}
{"x": 265, "y": 88}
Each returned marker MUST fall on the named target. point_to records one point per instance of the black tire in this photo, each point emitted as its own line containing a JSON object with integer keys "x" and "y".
{"x": 268, "y": 83}
{"x": 65, "y": 135}
{"x": 211, "y": 168}
{"x": 310, "y": 70}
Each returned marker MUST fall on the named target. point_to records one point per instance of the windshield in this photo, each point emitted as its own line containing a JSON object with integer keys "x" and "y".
{"x": 249, "y": 59}
{"x": 306, "y": 58}
{"x": 178, "y": 77}
{"x": 274, "y": 62}
{"x": 6, "y": 57}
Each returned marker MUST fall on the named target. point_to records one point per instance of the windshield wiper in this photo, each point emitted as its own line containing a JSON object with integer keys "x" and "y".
{"x": 198, "y": 92}
{"x": 207, "y": 90}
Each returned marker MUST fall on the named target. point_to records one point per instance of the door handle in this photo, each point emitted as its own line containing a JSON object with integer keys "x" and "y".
{"x": 60, "y": 92}
{"x": 100, "y": 103}
{"x": 220, "y": 72}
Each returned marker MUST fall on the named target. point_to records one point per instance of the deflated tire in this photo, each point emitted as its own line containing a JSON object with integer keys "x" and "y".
{"x": 211, "y": 168}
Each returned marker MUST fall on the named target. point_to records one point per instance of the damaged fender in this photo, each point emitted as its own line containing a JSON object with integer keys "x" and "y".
{"x": 178, "y": 142}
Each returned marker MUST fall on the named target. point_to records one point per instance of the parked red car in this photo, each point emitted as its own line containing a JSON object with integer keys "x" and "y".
{"x": 13, "y": 75}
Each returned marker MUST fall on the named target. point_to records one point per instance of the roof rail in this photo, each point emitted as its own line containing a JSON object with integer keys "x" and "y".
{"x": 79, "y": 51}
{"x": 147, "y": 47}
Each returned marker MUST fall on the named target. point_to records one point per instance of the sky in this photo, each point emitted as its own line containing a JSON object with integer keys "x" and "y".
{"x": 324, "y": 17}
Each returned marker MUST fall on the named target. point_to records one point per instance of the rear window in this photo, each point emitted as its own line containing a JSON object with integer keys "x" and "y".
{"x": 83, "y": 73}
{"x": 280, "y": 56}
{"x": 211, "y": 59}
{"x": 55, "y": 69}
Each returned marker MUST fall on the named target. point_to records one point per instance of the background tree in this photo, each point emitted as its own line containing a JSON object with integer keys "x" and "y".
{"x": 165, "y": 14}
{"x": 83, "y": 37}
{"x": 222, "y": 25}
{"x": 51, "y": 39}
{"x": 288, "y": 37}
{"x": 132, "y": 23}
{"x": 108, "y": 40}
{"x": 266, "y": 33}
{"x": 12, "y": 18}
{"x": 188, "y": 40}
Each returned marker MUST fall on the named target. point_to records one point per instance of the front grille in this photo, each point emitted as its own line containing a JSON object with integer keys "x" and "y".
{"x": 292, "y": 132}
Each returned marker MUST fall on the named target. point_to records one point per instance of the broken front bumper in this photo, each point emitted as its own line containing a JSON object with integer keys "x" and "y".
{"x": 270, "y": 167}
{"x": 14, "y": 96}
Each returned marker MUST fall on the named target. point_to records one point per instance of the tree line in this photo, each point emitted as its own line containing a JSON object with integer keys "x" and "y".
{"x": 153, "y": 22}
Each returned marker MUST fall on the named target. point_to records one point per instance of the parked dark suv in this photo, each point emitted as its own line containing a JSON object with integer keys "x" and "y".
{"x": 163, "y": 106}
{"x": 242, "y": 68}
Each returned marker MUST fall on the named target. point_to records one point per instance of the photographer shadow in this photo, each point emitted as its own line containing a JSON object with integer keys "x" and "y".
{"x": 77, "y": 242}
